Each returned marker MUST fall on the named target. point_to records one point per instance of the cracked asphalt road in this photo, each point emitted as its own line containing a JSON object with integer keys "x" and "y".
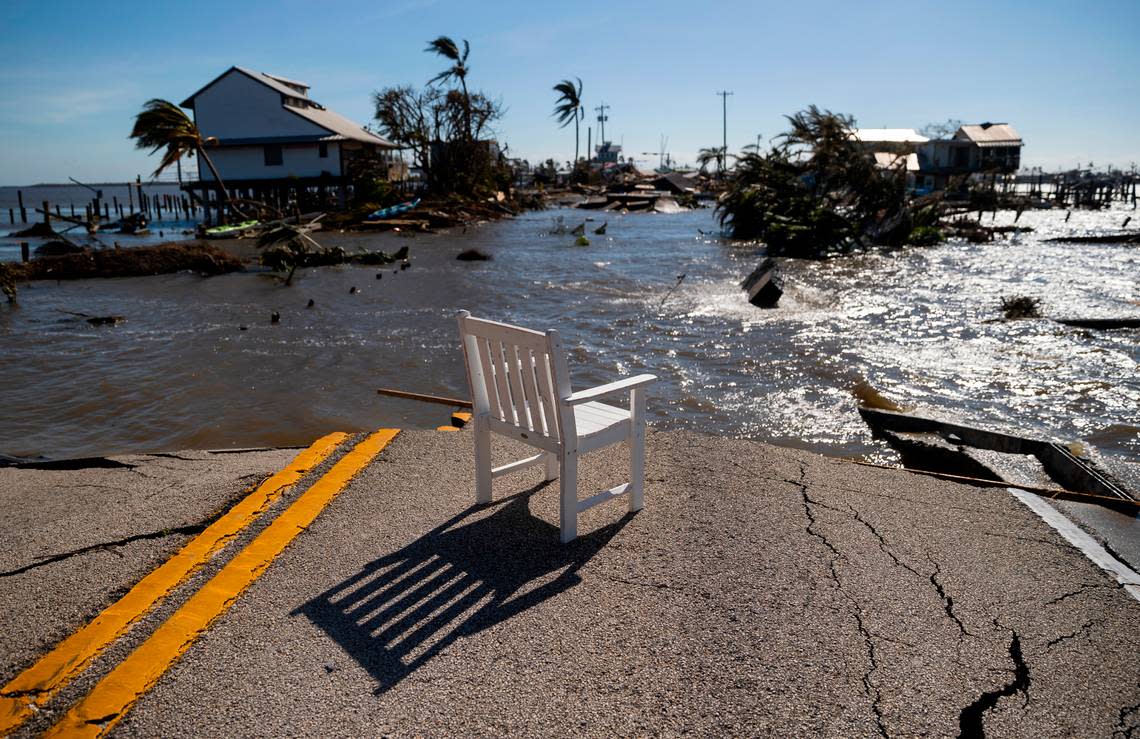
{"x": 71, "y": 540}
{"x": 762, "y": 591}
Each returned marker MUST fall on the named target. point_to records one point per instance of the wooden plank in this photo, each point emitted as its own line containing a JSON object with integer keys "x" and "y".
{"x": 392, "y": 392}
{"x": 495, "y": 352}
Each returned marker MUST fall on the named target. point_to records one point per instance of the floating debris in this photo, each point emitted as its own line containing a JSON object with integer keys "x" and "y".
{"x": 761, "y": 285}
{"x": 1020, "y": 306}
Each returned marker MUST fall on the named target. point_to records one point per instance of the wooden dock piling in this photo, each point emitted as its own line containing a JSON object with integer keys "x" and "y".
{"x": 25, "y": 252}
{"x": 23, "y": 210}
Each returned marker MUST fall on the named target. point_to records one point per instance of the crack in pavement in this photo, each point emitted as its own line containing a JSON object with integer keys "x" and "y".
{"x": 869, "y": 688}
{"x": 947, "y": 601}
{"x": 932, "y": 578}
{"x": 172, "y": 455}
{"x": 1124, "y": 730}
{"x": 970, "y": 720}
{"x": 1083, "y": 630}
{"x": 1086, "y": 587}
{"x": 1060, "y": 544}
{"x": 106, "y": 546}
{"x": 71, "y": 465}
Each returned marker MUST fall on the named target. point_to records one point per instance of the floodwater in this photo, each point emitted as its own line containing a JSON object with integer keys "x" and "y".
{"x": 71, "y": 200}
{"x": 916, "y": 325}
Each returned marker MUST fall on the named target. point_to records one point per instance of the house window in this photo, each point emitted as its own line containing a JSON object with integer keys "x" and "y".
{"x": 273, "y": 155}
{"x": 323, "y": 149}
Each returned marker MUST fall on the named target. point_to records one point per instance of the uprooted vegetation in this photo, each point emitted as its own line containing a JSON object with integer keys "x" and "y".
{"x": 192, "y": 256}
{"x": 1020, "y": 306}
{"x": 287, "y": 248}
{"x": 817, "y": 193}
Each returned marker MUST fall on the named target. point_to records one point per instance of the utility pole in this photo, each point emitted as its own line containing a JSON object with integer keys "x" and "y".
{"x": 602, "y": 118}
{"x": 724, "y": 122}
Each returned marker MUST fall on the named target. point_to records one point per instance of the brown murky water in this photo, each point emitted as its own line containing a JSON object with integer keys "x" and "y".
{"x": 180, "y": 372}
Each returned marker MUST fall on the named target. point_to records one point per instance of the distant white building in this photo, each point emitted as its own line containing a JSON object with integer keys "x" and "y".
{"x": 268, "y": 128}
{"x": 931, "y": 163}
{"x": 888, "y": 139}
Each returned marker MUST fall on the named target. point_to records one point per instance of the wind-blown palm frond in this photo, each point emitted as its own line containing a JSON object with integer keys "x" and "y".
{"x": 163, "y": 124}
{"x": 569, "y": 102}
{"x": 448, "y": 49}
{"x": 160, "y": 124}
{"x": 569, "y": 108}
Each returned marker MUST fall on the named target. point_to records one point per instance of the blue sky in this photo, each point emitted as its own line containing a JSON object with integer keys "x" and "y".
{"x": 1063, "y": 73}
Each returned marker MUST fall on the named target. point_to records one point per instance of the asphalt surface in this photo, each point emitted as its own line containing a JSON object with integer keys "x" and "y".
{"x": 762, "y": 591}
{"x": 75, "y": 537}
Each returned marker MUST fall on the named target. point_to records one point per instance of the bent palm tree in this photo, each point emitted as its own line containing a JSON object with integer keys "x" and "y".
{"x": 712, "y": 154}
{"x": 448, "y": 49}
{"x": 161, "y": 124}
{"x": 569, "y": 108}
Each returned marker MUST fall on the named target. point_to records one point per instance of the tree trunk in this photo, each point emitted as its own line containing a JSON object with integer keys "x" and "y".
{"x": 218, "y": 178}
{"x": 575, "y": 139}
{"x": 466, "y": 106}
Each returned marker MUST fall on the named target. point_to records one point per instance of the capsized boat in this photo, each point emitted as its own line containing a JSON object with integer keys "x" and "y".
{"x": 392, "y": 210}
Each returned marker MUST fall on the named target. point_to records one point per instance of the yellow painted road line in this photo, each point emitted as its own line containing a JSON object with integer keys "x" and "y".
{"x": 36, "y": 685}
{"x": 111, "y": 698}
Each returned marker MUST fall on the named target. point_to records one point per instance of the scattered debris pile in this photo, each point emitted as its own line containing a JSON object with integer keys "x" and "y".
{"x": 192, "y": 256}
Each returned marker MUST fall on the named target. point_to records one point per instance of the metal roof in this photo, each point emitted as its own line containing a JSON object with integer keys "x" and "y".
{"x": 990, "y": 134}
{"x": 888, "y": 135}
{"x": 277, "y": 83}
{"x": 265, "y": 79}
{"x": 890, "y": 160}
{"x": 286, "y": 80}
{"x": 339, "y": 125}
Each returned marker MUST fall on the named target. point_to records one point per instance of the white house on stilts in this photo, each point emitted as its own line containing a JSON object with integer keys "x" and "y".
{"x": 269, "y": 139}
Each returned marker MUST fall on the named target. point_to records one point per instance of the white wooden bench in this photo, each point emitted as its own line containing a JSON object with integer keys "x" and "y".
{"x": 520, "y": 388}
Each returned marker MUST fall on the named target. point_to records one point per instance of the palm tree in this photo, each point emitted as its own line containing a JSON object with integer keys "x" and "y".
{"x": 163, "y": 124}
{"x": 448, "y": 49}
{"x": 715, "y": 153}
{"x": 569, "y": 108}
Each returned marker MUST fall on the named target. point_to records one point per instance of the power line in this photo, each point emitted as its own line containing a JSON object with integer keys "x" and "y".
{"x": 724, "y": 123}
{"x": 602, "y": 118}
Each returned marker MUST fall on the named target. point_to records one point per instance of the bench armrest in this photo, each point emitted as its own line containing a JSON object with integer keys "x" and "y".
{"x": 629, "y": 383}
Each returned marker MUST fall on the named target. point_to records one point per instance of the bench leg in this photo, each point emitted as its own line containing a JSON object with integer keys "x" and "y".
{"x": 551, "y": 466}
{"x": 568, "y": 492}
{"x": 637, "y": 450}
{"x": 482, "y": 461}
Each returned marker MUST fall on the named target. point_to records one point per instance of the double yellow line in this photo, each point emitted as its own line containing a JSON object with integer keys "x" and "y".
{"x": 114, "y": 695}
